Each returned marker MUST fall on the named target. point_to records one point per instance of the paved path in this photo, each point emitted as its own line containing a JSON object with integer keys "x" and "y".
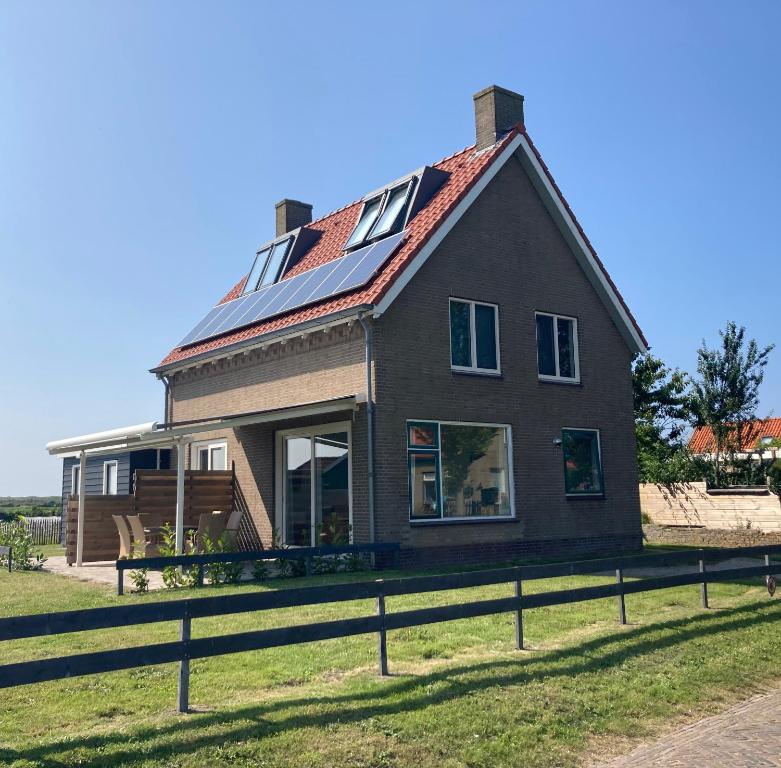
{"x": 747, "y": 735}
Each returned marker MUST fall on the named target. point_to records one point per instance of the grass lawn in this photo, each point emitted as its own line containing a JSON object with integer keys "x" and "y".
{"x": 458, "y": 695}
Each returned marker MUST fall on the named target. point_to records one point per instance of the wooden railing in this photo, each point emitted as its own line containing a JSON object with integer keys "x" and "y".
{"x": 184, "y": 611}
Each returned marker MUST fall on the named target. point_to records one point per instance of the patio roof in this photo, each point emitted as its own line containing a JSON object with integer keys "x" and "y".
{"x": 153, "y": 435}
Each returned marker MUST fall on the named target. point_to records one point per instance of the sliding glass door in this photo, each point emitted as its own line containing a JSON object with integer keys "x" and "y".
{"x": 314, "y": 477}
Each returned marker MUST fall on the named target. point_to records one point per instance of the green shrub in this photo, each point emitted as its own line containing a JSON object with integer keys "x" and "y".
{"x": 24, "y": 555}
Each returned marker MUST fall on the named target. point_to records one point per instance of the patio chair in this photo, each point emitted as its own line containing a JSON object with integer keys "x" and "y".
{"x": 217, "y": 525}
{"x": 125, "y": 547}
{"x": 142, "y": 544}
{"x": 232, "y": 528}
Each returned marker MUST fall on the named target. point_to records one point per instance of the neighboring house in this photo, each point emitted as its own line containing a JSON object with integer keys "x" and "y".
{"x": 444, "y": 363}
{"x": 755, "y": 440}
{"x": 108, "y": 475}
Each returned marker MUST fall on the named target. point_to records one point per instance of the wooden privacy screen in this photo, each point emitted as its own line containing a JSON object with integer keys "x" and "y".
{"x": 154, "y": 495}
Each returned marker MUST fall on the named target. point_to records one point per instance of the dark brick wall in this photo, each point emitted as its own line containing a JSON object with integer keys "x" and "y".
{"x": 507, "y": 250}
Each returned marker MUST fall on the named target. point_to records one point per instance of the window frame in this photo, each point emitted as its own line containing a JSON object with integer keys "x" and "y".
{"x": 473, "y": 338}
{"x": 384, "y": 197}
{"x": 439, "y": 519}
{"x": 269, "y": 251}
{"x": 576, "y": 345}
{"x": 106, "y": 488}
{"x": 75, "y": 484}
{"x": 584, "y": 494}
{"x": 207, "y": 445}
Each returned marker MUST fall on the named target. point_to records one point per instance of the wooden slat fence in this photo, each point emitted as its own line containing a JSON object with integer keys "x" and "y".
{"x": 44, "y": 530}
{"x": 184, "y": 611}
{"x": 155, "y": 495}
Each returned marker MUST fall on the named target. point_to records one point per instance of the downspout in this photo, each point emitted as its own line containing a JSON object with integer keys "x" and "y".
{"x": 166, "y": 405}
{"x": 367, "y": 333}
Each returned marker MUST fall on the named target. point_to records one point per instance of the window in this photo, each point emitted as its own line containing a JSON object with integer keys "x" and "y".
{"x": 582, "y": 462}
{"x": 210, "y": 455}
{"x": 474, "y": 336}
{"x": 382, "y": 215}
{"x": 458, "y": 471}
{"x": 557, "y": 348}
{"x": 75, "y": 479}
{"x": 268, "y": 266}
{"x": 109, "y": 478}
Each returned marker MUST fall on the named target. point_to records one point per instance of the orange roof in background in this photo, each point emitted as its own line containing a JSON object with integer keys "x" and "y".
{"x": 702, "y": 441}
{"x": 465, "y": 169}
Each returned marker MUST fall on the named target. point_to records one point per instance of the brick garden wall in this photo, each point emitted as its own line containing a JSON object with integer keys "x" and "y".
{"x": 681, "y": 535}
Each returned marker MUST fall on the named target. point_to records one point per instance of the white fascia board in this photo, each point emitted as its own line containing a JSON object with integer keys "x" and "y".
{"x": 581, "y": 251}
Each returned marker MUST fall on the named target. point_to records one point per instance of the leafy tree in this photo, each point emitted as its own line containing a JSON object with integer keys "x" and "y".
{"x": 726, "y": 394}
{"x": 662, "y": 405}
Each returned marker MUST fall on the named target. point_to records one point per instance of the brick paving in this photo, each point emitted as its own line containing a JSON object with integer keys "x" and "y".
{"x": 101, "y": 573}
{"x": 747, "y": 735}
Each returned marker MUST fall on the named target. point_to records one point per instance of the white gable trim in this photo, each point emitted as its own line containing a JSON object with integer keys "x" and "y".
{"x": 575, "y": 240}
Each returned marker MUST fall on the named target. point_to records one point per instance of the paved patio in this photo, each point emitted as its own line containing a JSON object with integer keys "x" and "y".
{"x": 100, "y": 573}
{"x": 747, "y": 735}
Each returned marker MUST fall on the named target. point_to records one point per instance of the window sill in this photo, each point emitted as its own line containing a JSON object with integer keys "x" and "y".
{"x": 558, "y": 380}
{"x": 599, "y": 495}
{"x": 476, "y": 372}
{"x": 462, "y": 521}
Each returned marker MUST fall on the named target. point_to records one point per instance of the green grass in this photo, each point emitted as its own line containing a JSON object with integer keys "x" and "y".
{"x": 458, "y": 695}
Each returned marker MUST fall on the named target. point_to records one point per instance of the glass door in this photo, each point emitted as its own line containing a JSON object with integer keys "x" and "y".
{"x": 315, "y": 485}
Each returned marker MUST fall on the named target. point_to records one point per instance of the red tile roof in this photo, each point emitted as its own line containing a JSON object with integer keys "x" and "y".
{"x": 465, "y": 169}
{"x": 702, "y": 440}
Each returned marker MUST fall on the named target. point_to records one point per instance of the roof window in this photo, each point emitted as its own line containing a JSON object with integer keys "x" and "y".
{"x": 382, "y": 215}
{"x": 267, "y": 266}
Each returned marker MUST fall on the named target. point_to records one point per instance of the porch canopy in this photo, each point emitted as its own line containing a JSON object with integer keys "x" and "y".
{"x": 175, "y": 434}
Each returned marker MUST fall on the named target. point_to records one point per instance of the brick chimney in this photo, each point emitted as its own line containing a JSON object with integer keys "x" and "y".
{"x": 497, "y": 111}
{"x": 292, "y": 214}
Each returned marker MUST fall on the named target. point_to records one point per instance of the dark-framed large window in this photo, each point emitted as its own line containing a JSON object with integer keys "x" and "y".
{"x": 557, "y": 347}
{"x": 582, "y": 462}
{"x": 474, "y": 336}
{"x": 459, "y": 471}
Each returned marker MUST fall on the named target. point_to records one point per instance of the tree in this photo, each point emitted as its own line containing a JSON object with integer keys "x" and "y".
{"x": 662, "y": 405}
{"x": 726, "y": 395}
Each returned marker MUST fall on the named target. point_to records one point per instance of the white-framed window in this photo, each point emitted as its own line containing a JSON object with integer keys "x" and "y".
{"x": 314, "y": 503}
{"x": 557, "y": 348}
{"x": 459, "y": 471}
{"x": 75, "y": 479}
{"x": 582, "y": 462}
{"x": 209, "y": 454}
{"x": 474, "y": 336}
{"x": 109, "y": 478}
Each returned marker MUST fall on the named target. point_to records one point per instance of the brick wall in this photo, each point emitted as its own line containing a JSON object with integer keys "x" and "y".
{"x": 682, "y": 535}
{"x": 507, "y": 250}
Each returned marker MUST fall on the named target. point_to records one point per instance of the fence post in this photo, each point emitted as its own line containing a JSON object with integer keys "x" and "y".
{"x": 621, "y": 604}
{"x": 184, "y": 664}
{"x": 518, "y": 616}
{"x": 120, "y": 581}
{"x": 200, "y": 575}
{"x": 308, "y": 565}
{"x": 382, "y": 639}
{"x": 704, "y": 584}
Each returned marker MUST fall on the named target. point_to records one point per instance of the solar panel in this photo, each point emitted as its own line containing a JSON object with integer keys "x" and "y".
{"x": 338, "y": 276}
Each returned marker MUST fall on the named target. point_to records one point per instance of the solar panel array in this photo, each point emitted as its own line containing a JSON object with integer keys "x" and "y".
{"x": 338, "y": 276}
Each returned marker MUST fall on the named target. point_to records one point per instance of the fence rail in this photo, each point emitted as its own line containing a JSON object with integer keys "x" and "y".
{"x": 307, "y": 554}
{"x": 44, "y": 530}
{"x": 184, "y": 611}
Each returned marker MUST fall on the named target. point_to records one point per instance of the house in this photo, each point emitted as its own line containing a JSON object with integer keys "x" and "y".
{"x": 444, "y": 362}
{"x": 756, "y": 440}
{"x": 108, "y": 475}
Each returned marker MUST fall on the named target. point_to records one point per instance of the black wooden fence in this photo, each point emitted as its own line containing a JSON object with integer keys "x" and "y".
{"x": 307, "y": 554}
{"x": 184, "y": 611}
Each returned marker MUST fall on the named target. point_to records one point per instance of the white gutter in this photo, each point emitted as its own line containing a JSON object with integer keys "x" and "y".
{"x": 99, "y": 439}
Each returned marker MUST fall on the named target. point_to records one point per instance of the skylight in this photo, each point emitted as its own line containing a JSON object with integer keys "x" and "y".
{"x": 382, "y": 215}
{"x": 268, "y": 265}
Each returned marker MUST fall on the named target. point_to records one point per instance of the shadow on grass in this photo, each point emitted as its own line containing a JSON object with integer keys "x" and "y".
{"x": 391, "y": 696}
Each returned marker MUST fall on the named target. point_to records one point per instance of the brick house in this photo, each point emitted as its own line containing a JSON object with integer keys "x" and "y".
{"x": 470, "y": 414}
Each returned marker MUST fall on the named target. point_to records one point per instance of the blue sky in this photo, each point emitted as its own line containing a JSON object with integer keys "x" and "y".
{"x": 143, "y": 146}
